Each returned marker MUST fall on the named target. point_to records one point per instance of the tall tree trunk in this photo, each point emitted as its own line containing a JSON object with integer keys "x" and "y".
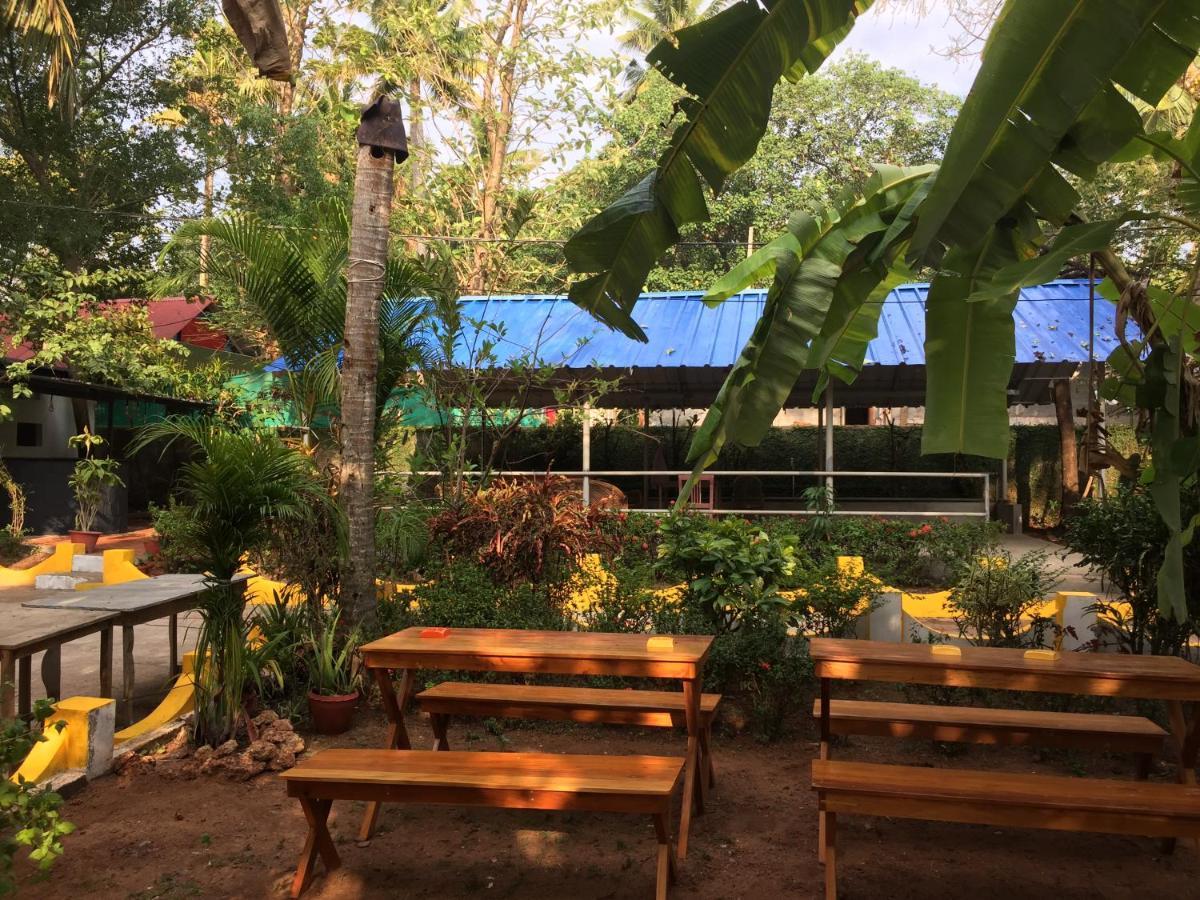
{"x": 205, "y": 239}
{"x": 1069, "y": 453}
{"x": 365, "y": 274}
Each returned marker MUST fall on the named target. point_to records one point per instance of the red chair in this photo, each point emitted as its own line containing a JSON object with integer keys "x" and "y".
{"x": 704, "y": 491}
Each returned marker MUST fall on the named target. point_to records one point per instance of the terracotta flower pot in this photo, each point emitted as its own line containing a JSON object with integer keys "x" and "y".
{"x": 332, "y": 714}
{"x": 87, "y": 538}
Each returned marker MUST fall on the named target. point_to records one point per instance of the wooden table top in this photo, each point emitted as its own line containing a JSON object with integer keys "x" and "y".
{"x": 30, "y": 630}
{"x": 130, "y": 596}
{"x": 539, "y": 651}
{"x": 1103, "y": 674}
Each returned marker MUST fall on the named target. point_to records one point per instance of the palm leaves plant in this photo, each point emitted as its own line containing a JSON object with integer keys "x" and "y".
{"x": 1055, "y": 97}
{"x": 238, "y": 485}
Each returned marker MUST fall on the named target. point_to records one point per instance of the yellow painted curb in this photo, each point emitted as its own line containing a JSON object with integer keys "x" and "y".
{"x": 180, "y": 701}
{"x": 61, "y": 560}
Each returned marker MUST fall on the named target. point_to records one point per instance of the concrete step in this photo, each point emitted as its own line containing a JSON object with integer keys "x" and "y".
{"x": 62, "y": 582}
{"x": 92, "y": 563}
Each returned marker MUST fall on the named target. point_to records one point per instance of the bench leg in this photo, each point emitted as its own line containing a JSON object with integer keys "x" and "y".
{"x": 1185, "y": 742}
{"x": 8, "y": 685}
{"x": 393, "y": 703}
{"x": 829, "y": 845}
{"x": 823, "y": 753}
{"x": 24, "y": 687}
{"x": 691, "y": 791}
{"x": 439, "y": 723}
{"x": 709, "y": 768}
{"x": 52, "y": 672}
{"x": 318, "y": 841}
{"x": 666, "y": 857}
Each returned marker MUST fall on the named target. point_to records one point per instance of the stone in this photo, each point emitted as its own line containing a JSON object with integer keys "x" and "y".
{"x": 266, "y": 717}
{"x": 177, "y": 748}
{"x": 226, "y": 749}
{"x": 242, "y": 767}
{"x": 284, "y": 759}
{"x": 264, "y": 751}
{"x": 203, "y": 754}
{"x": 280, "y": 726}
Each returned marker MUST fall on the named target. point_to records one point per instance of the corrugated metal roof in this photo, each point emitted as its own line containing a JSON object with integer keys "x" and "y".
{"x": 1051, "y": 326}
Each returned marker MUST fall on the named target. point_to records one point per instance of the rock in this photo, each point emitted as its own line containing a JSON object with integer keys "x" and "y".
{"x": 226, "y": 749}
{"x": 284, "y": 759}
{"x": 265, "y": 718}
{"x": 128, "y": 763}
{"x": 203, "y": 754}
{"x": 279, "y": 726}
{"x": 264, "y": 751}
{"x": 178, "y": 747}
{"x": 242, "y": 767}
{"x": 211, "y": 765}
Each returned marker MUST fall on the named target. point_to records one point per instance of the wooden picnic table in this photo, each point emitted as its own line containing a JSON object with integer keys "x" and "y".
{"x": 545, "y": 652}
{"x": 24, "y": 632}
{"x": 1169, "y": 679}
{"x": 134, "y": 603}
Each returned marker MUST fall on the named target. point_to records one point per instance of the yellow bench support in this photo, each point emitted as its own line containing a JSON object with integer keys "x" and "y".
{"x": 61, "y": 560}
{"x": 180, "y": 701}
{"x": 84, "y": 742}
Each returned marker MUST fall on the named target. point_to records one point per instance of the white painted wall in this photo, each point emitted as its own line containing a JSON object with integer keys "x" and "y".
{"x": 57, "y": 421}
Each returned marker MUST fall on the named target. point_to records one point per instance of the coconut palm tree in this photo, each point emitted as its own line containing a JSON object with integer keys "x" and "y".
{"x": 652, "y": 20}
{"x": 238, "y": 486}
{"x": 47, "y": 26}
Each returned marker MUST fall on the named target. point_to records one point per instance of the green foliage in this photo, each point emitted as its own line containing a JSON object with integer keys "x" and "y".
{"x": 402, "y": 537}
{"x": 306, "y": 552}
{"x": 834, "y": 600}
{"x": 729, "y": 66}
{"x": 993, "y": 600}
{"x": 279, "y": 651}
{"x": 13, "y": 546}
{"x": 1122, "y": 538}
{"x": 534, "y": 529}
{"x": 463, "y": 594}
{"x": 90, "y": 478}
{"x": 332, "y": 657}
{"x": 178, "y": 547}
{"x": 907, "y": 555}
{"x": 732, "y": 568}
{"x": 29, "y": 815}
{"x": 238, "y": 488}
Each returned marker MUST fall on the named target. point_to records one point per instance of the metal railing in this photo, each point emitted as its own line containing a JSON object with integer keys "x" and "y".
{"x": 981, "y": 503}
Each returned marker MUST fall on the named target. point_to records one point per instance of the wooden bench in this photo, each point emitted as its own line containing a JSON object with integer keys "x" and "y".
{"x": 593, "y": 705}
{"x": 1006, "y": 727}
{"x": 988, "y": 798}
{"x": 547, "y": 781}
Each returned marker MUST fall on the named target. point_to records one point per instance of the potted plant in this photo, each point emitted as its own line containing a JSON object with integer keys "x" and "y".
{"x": 91, "y": 476}
{"x": 333, "y": 677}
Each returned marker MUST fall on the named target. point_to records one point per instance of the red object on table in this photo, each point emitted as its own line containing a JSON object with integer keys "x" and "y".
{"x": 435, "y": 632}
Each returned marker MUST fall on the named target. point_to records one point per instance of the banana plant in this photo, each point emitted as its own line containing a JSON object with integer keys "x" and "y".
{"x": 1056, "y": 96}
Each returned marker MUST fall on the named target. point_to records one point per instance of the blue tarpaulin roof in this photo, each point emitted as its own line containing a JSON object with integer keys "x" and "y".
{"x": 1051, "y": 326}
{"x": 692, "y": 345}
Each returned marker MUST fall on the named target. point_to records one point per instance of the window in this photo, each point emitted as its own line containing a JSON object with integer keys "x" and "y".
{"x": 29, "y": 434}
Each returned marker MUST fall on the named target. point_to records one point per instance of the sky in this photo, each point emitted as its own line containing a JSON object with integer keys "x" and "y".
{"x": 901, "y": 40}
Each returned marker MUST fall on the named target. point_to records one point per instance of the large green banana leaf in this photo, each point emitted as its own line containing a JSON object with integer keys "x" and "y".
{"x": 729, "y": 65}
{"x": 1044, "y": 66}
{"x": 838, "y": 263}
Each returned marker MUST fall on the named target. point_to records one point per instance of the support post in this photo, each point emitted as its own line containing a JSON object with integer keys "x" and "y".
{"x": 828, "y": 464}
{"x": 587, "y": 454}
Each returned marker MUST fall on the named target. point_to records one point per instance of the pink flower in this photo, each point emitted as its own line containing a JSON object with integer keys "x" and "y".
{"x": 765, "y": 666}
{"x": 913, "y": 533}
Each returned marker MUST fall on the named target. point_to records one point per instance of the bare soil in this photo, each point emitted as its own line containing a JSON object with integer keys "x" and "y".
{"x": 153, "y": 836}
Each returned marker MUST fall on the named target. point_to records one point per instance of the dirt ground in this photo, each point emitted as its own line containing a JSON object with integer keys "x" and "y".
{"x": 152, "y": 836}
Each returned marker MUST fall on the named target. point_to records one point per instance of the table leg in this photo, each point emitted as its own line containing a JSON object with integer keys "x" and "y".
{"x": 127, "y": 674}
{"x": 106, "y": 659}
{"x": 394, "y": 702}
{"x": 1186, "y": 741}
{"x": 52, "y": 672}
{"x": 317, "y": 842}
{"x": 8, "y": 685}
{"x": 823, "y": 753}
{"x": 691, "y": 703}
{"x": 24, "y": 686}
{"x": 173, "y": 650}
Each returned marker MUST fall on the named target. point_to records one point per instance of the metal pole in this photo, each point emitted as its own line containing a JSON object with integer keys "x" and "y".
{"x": 587, "y": 454}
{"x": 829, "y": 435}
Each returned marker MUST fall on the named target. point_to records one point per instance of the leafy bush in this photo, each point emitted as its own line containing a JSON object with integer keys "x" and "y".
{"x": 179, "y": 548}
{"x": 12, "y": 545}
{"x": 332, "y": 657}
{"x": 763, "y": 664}
{"x": 1122, "y": 537}
{"x": 834, "y": 599}
{"x": 90, "y": 477}
{"x": 992, "y": 602}
{"x": 521, "y": 530}
{"x": 462, "y": 594}
{"x": 402, "y": 538}
{"x": 279, "y": 650}
{"x": 733, "y": 569}
{"x": 29, "y": 815}
{"x": 307, "y": 552}
{"x": 909, "y": 555}
{"x": 632, "y": 537}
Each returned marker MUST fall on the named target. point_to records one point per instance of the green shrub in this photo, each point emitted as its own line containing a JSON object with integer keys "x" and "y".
{"x": 462, "y": 594}
{"x": 631, "y": 537}
{"x": 179, "y": 546}
{"x": 732, "y": 568}
{"x": 402, "y": 538}
{"x": 992, "y": 602}
{"x": 12, "y": 546}
{"x": 1122, "y": 537}
{"x": 29, "y": 815}
{"x": 905, "y": 554}
{"x": 834, "y": 600}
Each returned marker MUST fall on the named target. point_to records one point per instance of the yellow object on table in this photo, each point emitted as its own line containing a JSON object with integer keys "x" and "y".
{"x": 660, "y": 643}
{"x": 1041, "y": 654}
{"x": 945, "y": 650}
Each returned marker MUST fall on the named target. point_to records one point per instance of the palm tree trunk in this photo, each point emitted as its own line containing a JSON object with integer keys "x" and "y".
{"x": 365, "y": 274}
